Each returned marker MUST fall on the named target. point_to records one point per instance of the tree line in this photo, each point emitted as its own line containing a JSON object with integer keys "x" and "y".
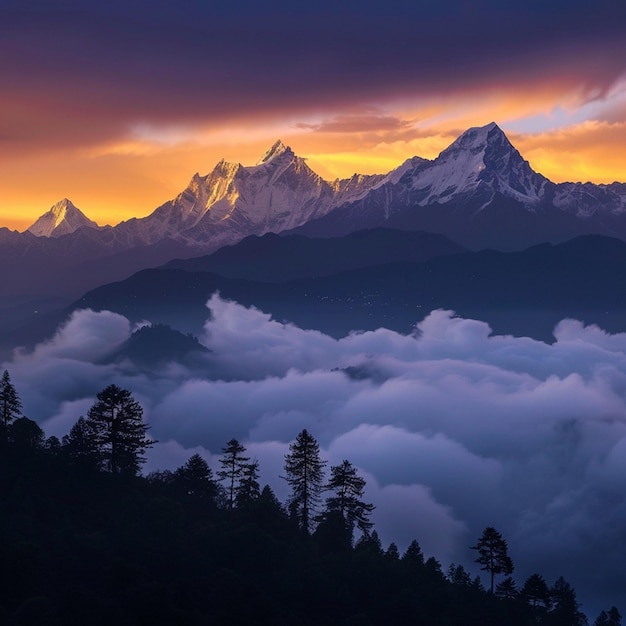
{"x": 192, "y": 546}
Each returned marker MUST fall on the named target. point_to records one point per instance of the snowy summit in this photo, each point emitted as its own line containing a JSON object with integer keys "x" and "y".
{"x": 62, "y": 219}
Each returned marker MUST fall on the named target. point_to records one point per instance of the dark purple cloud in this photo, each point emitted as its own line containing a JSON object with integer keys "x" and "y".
{"x": 120, "y": 63}
{"x": 358, "y": 123}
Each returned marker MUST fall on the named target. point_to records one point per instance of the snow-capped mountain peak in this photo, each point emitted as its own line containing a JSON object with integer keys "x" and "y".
{"x": 233, "y": 201}
{"x": 481, "y": 159}
{"x": 278, "y": 149}
{"x": 62, "y": 218}
{"x": 478, "y": 138}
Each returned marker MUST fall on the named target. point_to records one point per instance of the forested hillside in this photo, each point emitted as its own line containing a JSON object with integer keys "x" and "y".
{"x": 86, "y": 539}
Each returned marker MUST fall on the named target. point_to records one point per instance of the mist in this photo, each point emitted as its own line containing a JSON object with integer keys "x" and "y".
{"x": 454, "y": 428}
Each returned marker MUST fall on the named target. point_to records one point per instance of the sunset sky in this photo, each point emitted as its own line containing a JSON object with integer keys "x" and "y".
{"x": 116, "y": 106}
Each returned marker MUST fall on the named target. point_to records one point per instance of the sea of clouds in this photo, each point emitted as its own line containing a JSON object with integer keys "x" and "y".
{"x": 454, "y": 429}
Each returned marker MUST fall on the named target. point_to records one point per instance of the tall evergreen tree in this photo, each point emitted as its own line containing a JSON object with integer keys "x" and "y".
{"x": 195, "y": 480}
{"x": 233, "y": 466}
{"x": 602, "y": 619}
{"x": 347, "y": 488}
{"x": 393, "y": 554}
{"x": 80, "y": 444}
{"x": 268, "y": 511}
{"x": 612, "y": 618}
{"x": 457, "y": 575}
{"x": 615, "y": 619}
{"x": 414, "y": 554}
{"x": 536, "y": 592}
{"x": 565, "y": 611}
{"x": 305, "y": 475}
{"x": 26, "y": 434}
{"x": 10, "y": 404}
{"x": 370, "y": 544}
{"x": 507, "y": 589}
{"x": 116, "y": 421}
{"x": 248, "y": 488}
{"x": 492, "y": 554}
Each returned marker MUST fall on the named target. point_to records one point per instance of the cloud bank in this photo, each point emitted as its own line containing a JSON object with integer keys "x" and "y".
{"x": 454, "y": 428}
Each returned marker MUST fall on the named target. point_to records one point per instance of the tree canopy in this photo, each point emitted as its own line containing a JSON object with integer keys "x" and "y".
{"x": 117, "y": 431}
{"x": 233, "y": 466}
{"x": 493, "y": 554}
{"x": 10, "y": 403}
{"x": 304, "y": 472}
{"x": 346, "y": 487}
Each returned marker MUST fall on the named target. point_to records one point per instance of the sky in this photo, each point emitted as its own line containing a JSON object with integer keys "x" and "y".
{"x": 116, "y": 105}
{"x": 453, "y": 428}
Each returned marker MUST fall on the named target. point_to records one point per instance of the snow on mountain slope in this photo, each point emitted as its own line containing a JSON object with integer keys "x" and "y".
{"x": 480, "y": 157}
{"x": 233, "y": 201}
{"x": 586, "y": 199}
{"x": 480, "y": 192}
{"x": 63, "y": 218}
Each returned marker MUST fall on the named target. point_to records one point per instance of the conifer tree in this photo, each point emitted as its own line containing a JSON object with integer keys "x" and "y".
{"x": 414, "y": 554}
{"x": 612, "y": 618}
{"x": 393, "y": 554}
{"x": 536, "y": 592}
{"x": 370, "y": 544}
{"x": 195, "y": 479}
{"x": 457, "y": 575}
{"x": 492, "y": 554}
{"x": 119, "y": 432}
{"x": 248, "y": 488}
{"x": 602, "y": 619}
{"x": 80, "y": 444}
{"x": 347, "y": 488}
{"x": 26, "y": 434}
{"x": 565, "y": 611}
{"x": 305, "y": 474}
{"x": 507, "y": 589}
{"x": 233, "y": 466}
{"x": 268, "y": 508}
{"x": 10, "y": 404}
{"x": 615, "y": 619}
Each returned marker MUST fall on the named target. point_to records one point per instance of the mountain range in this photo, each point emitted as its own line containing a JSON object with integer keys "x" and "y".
{"x": 354, "y": 253}
{"x": 522, "y": 293}
{"x": 479, "y": 192}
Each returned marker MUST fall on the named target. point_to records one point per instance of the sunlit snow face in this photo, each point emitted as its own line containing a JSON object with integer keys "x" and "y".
{"x": 453, "y": 428}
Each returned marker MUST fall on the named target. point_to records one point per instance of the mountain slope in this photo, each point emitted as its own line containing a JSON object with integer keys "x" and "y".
{"x": 275, "y": 258}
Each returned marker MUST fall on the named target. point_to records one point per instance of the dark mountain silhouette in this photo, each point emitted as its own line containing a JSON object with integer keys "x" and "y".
{"x": 273, "y": 258}
{"x": 521, "y": 293}
{"x": 156, "y": 344}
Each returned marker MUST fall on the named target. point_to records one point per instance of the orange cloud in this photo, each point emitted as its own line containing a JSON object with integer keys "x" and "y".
{"x": 590, "y": 151}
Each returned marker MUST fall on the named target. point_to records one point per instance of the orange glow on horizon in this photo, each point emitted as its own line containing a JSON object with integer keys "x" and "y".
{"x": 129, "y": 176}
